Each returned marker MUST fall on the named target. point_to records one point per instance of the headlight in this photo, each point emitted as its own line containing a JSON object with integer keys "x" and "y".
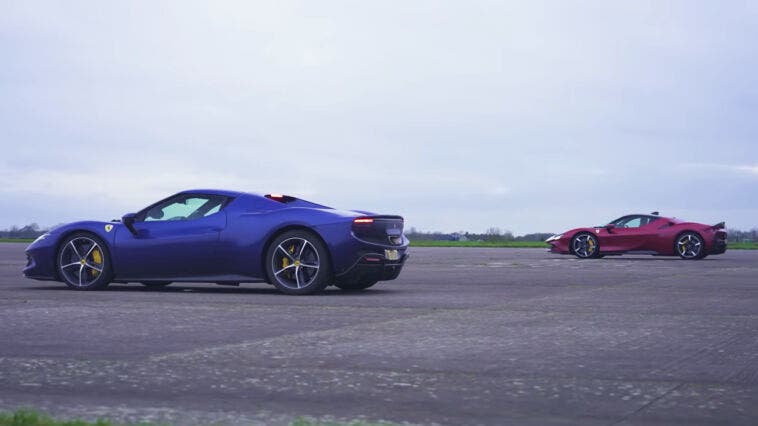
{"x": 554, "y": 238}
{"x": 41, "y": 237}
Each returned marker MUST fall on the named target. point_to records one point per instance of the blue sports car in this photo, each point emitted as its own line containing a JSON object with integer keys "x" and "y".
{"x": 227, "y": 238}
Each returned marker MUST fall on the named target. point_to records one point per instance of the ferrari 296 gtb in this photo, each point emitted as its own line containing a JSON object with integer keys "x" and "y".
{"x": 225, "y": 237}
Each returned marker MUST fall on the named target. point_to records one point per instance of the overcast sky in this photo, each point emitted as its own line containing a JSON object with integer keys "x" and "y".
{"x": 460, "y": 115}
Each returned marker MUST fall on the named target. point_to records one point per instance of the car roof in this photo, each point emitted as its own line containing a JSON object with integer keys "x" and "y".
{"x": 224, "y": 192}
{"x": 291, "y": 202}
{"x": 654, "y": 216}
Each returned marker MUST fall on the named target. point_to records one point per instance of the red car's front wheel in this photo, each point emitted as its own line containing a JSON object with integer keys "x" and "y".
{"x": 585, "y": 245}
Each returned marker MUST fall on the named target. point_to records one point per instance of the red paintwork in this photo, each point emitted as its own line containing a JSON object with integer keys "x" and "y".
{"x": 657, "y": 237}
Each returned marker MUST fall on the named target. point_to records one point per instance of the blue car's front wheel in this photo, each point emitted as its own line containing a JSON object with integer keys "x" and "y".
{"x": 297, "y": 263}
{"x": 83, "y": 262}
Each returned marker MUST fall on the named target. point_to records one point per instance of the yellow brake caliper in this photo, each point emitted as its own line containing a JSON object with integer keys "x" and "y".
{"x": 97, "y": 258}
{"x": 286, "y": 260}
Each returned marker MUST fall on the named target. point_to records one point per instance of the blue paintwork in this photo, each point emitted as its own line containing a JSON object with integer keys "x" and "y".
{"x": 225, "y": 246}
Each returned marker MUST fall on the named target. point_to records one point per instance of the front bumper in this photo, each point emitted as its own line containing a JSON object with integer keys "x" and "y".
{"x": 40, "y": 263}
{"x": 373, "y": 267}
{"x": 558, "y": 247}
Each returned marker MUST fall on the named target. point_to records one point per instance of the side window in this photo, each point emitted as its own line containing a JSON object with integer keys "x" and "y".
{"x": 215, "y": 209}
{"x": 629, "y": 222}
{"x": 184, "y": 207}
{"x": 647, "y": 220}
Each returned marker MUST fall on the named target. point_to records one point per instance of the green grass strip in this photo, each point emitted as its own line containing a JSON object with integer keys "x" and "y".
{"x": 514, "y": 244}
{"x": 442, "y": 243}
{"x": 302, "y": 421}
{"x": 26, "y": 417}
{"x": 530, "y": 244}
{"x": 742, "y": 246}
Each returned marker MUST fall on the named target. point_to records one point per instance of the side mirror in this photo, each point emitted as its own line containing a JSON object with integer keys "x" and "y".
{"x": 128, "y": 221}
{"x": 610, "y": 227}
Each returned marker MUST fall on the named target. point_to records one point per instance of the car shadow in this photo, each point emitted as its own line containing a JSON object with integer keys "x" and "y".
{"x": 211, "y": 289}
{"x": 654, "y": 259}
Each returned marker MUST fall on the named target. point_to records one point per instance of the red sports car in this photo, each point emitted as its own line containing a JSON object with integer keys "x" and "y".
{"x": 642, "y": 234}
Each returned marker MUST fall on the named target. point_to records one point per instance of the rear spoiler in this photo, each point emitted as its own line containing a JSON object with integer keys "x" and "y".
{"x": 293, "y": 202}
{"x": 720, "y": 225}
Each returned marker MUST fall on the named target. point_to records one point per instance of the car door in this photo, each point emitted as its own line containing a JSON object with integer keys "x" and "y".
{"x": 630, "y": 233}
{"x": 177, "y": 237}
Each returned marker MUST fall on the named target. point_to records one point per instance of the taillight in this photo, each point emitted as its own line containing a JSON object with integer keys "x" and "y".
{"x": 363, "y": 220}
{"x": 281, "y": 198}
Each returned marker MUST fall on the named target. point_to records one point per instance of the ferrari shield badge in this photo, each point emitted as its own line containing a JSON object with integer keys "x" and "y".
{"x": 108, "y": 228}
{"x": 597, "y": 230}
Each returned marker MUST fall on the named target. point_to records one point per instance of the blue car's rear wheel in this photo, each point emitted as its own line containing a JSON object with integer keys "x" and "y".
{"x": 83, "y": 262}
{"x": 297, "y": 263}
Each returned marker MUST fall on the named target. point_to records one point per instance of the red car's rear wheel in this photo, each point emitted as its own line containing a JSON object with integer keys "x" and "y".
{"x": 690, "y": 246}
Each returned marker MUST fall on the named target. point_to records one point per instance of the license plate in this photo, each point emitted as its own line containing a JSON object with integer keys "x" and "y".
{"x": 391, "y": 254}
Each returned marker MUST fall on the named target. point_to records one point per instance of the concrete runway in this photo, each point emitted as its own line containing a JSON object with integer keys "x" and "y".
{"x": 464, "y": 336}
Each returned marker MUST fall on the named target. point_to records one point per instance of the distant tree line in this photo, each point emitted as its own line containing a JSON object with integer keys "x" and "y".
{"x": 29, "y": 231}
{"x": 735, "y": 236}
{"x": 492, "y": 234}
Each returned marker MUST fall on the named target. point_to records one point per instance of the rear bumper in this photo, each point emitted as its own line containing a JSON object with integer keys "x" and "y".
{"x": 719, "y": 247}
{"x": 373, "y": 267}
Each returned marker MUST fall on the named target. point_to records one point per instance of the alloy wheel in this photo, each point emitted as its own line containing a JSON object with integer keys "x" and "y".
{"x": 584, "y": 246}
{"x": 295, "y": 263}
{"x": 81, "y": 261}
{"x": 689, "y": 246}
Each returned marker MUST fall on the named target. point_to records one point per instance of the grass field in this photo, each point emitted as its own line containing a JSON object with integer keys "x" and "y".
{"x": 743, "y": 246}
{"x": 515, "y": 244}
{"x": 430, "y": 243}
{"x": 530, "y": 244}
{"x": 26, "y": 417}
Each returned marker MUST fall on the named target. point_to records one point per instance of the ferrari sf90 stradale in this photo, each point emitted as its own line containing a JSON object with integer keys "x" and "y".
{"x": 642, "y": 234}
{"x": 225, "y": 237}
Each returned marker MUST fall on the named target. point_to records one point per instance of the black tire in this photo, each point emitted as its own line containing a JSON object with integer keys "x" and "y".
{"x": 83, "y": 262}
{"x": 301, "y": 261}
{"x": 356, "y": 285}
{"x": 155, "y": 284}
{"x": 584, "y": 245}
{"x": 690, "y": 246}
